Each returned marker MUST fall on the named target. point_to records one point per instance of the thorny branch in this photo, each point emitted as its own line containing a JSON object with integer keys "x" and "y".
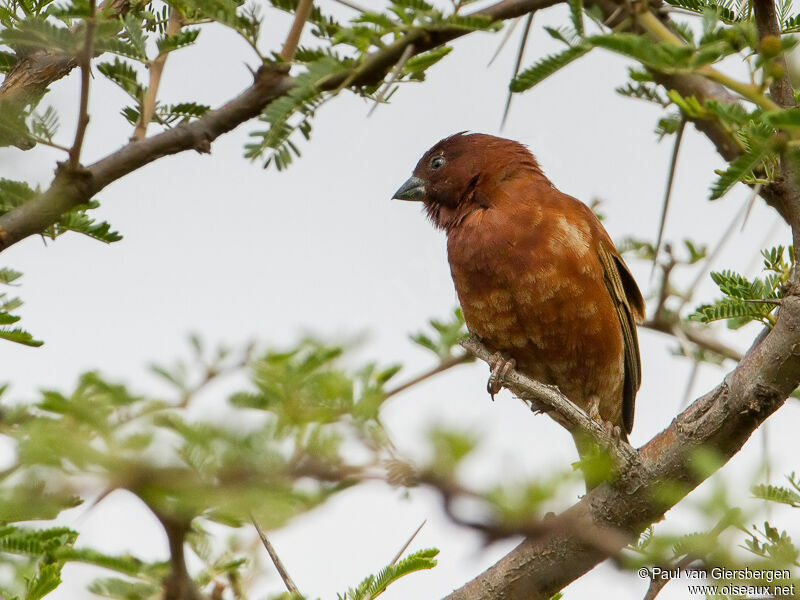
{"x": 271, "y": 82}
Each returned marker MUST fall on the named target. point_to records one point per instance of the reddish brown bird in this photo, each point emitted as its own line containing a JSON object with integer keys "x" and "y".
{"x": 539, "y": 279}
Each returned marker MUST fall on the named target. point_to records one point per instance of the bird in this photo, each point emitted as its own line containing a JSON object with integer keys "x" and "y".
{"x": 539, "y": 280}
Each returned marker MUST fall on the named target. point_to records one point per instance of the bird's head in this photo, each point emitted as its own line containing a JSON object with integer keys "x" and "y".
{"x": 454, "y": 177}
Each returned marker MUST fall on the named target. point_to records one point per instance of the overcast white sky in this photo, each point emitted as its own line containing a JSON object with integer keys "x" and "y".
{"x": 217, "y": 245}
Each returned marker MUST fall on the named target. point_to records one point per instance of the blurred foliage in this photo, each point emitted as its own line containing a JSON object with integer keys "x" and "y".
{"x": 728, "y": 551}
{"x": 445, "y": 335}
{"x": 8, "y": 304}
{"x": 303, "y": 429}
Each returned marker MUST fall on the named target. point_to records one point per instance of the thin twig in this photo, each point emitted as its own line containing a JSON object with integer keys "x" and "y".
{"x": 726, "y": 235}
{"x": 699, "y": 337}
{"x": 539, "y": 394}
{"x": 408, "y": 543}
{"x": 293, "y": 39}
{"x": 85, "y": 62}
{"x": 287, "y": 580}
{"x": 664, "y": 289}
{"x": 751, "y": 202}
{"x": 668, "y": 191}
{"x": 396, "y": 70}
{"x": 444, "y": 365}
{"x": 156, "y": 68}
{"x": 657, "y": 583}
{"x": 352, "y": 5}
{"x": 522, "y": 43}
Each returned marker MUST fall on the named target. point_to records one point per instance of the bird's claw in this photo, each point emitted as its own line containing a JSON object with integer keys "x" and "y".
{"x": 500, "y": 366}
{"x": 612, "y": 431}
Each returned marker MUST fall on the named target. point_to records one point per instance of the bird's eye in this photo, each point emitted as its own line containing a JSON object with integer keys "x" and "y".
{"x": 437, "y": 162}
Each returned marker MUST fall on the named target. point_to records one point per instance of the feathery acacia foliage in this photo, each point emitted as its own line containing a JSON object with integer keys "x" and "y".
{"x": 748, "y": 300}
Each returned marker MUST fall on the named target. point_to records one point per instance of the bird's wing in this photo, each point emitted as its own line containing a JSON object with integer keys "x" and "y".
{"x": 629, "y": 306}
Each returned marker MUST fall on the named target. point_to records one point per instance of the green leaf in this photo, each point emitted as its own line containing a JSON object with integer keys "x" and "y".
{"x": 783, "y": 119}
{"x": 374, "y": 585}
{"x": 474, "y": 23}
{"x": 230, "y": 13}
{"x": 136, "y": 36}
{"x": 662, "y": 56}
{"x": 115, "y": 45}
{"x": 778, "y": 494}
{"x": 169, "y": 43}
{"x": 447, "y": 335}
{"x": 20, "y": 336}
{"x": 576, "y": 15}
{"x": 125, "y": 76}
{"x": 546, "y": 67}
{"x": 643, "y": 91}
{"x": 7, "y": 319}
{"x": 304, "y": 98}
{"x": 419, "y": 64}
{"x": 9, "y": 276}
{"x": 34, "y": 33}
{"x": 45, "y": 125}
{"x": 46, "y": 580}
{"x": 79, "y": 222}
{"x": 14, "y": 194}
{"x": 740, "y": 168}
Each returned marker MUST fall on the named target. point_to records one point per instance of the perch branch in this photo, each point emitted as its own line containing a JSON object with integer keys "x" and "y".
{"x": 539, "y": 394}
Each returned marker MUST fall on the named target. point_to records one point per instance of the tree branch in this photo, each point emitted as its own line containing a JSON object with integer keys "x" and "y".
{"x": 69, "y": 190}
{"x": 293, "y": 39}
{"x": 697, "y": 335}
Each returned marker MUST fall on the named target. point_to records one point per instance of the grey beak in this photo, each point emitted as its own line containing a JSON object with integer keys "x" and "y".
{"x": 413, "y": 190}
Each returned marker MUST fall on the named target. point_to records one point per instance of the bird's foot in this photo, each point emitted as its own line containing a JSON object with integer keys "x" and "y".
{"x": 500, "y": 366}
{"x": 612, "y": 431}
